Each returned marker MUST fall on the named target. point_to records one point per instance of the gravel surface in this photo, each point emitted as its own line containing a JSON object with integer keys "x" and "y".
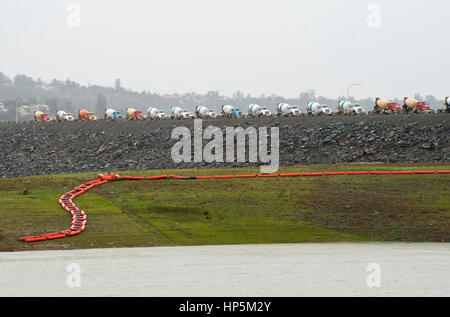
{"x": 54, "y": 148}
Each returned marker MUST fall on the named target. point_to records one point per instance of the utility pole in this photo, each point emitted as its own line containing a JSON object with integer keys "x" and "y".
{"x": 17, "y": 114}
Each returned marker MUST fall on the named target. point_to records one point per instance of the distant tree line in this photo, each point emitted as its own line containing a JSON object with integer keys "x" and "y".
{"x": 71, "y": 96}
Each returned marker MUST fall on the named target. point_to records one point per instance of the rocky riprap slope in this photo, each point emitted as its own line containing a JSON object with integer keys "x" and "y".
{"x": 53, "y": 148}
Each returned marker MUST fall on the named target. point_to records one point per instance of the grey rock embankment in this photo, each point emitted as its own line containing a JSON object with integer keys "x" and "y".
{"x": 54, "y": 148}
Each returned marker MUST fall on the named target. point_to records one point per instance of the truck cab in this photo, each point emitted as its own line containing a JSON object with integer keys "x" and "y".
{"x": 294, "y": 111}
{"x": 264, "y": 112}
{"x": 211, "y": 114}
{"x": 357, "y": 109}
{"x": 117, "y": 115}
{"x": 236, "y": 113}
{"x": 394, "y": 107}
{"x": 424, "y": 107}
{"x": 184, "y": 114}
{"x": 323, "y": 109}
{"x": 160, "y": 114}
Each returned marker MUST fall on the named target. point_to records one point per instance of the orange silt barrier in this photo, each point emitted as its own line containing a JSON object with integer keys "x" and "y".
{"x": 224, "y": 176}
{"x": 79, "y": 218}
{"x": 290, "y": 175}
{"x": 334, "y": 173}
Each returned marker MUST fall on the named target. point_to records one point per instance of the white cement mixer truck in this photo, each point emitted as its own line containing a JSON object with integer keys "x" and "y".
{"x": 155, "y": 114}
{"x": 61, "y": 116}
{"x": 204, "y": 113}
{"x": 255, "y": 110}
{"x": 178, "y": 113}
{"x": 348, "y": 108}
{"x": 229, "y": 112}
{"x": 111, "y": 114}
{"x": 284, "y": 109}
{"x": 316, "y": 109}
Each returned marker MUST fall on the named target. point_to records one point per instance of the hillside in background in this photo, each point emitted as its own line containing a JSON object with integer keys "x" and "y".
{"x": 71, "y": 96}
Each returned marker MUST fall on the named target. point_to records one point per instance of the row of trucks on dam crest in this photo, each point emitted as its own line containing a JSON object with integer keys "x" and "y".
{"x": 410, "y": 105}
{"x": 313, "y": 108}
{"x": 130, "y": 114}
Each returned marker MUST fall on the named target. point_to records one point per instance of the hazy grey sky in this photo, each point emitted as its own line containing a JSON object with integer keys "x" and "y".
{"x": 256, "y": 46}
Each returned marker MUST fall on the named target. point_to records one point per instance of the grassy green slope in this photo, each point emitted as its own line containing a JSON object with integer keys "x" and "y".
{"x": 224, "y": 211}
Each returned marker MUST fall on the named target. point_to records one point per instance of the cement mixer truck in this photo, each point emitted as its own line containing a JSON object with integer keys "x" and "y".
{"x": 255, "y": 110}
{"x": 155, "y": 114}
{"x": 63, "y": 116}
{"x": 284, "y": 109}
{"x": 386, "y": 107}
{"x": 85, "y": 115}
{"x": 409, "y": 104}
{"x": 348, "y": 108}
{"x": 180, "y": 114}
{"x": 314, "y": 108}
{"x": 230, "y": 112}
{"x": 41, "y": 116}
{"x": 111, "y": 114}
{"x": 133, "y": 114}
{"x": 227, "y": 111}
{"x": 204, "y": 113}
{"x": 412, "y": 105}
{"x": 446, "y": 107}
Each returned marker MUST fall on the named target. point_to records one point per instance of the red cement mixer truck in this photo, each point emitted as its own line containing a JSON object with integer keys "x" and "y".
{"x": 386, "y": 107}
{"x": 40, "y": 116}
{"x": 412, "y": 105}
{"x": 133, "y": 114}
{"x": 84, "y": 115}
